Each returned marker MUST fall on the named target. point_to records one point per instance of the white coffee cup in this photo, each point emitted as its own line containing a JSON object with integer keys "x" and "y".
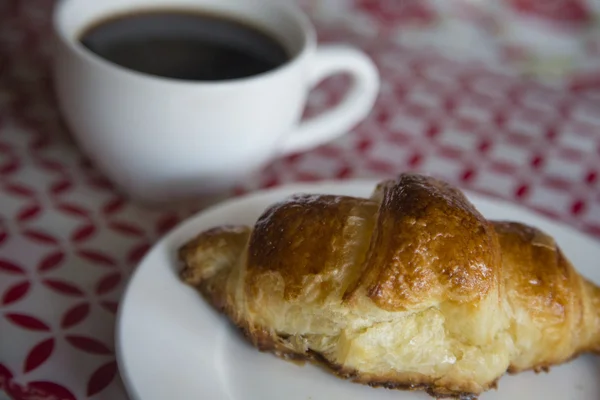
{"x": 160, "y": 139}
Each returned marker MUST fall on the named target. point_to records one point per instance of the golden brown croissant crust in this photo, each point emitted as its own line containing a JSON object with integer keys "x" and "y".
{"x": 410, "y": 289}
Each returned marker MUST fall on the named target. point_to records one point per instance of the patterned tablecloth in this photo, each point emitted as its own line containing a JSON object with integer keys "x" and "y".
{"x": 69, "y": 241}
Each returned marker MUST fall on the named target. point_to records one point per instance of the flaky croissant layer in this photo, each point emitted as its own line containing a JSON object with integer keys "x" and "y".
{"x": 410, "y": 289}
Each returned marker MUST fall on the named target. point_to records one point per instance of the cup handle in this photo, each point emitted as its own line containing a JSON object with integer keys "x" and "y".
{"x": 331, "y": 60}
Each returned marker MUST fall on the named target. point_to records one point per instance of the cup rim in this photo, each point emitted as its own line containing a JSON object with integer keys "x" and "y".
{"x": 302, "y": 20}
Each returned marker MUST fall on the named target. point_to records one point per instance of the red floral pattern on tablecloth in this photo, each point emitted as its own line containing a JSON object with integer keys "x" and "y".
{"x": 69, "y": 241}
{"x": 555, "y": 41}
{"x": 563, "y": 11}
{"x": 394, "y": 12}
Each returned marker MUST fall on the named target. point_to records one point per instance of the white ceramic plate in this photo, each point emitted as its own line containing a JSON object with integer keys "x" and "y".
{"x": 172, "y": 345}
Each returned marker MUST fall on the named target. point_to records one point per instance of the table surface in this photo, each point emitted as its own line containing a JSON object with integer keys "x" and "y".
{"x": 69, "y": 241}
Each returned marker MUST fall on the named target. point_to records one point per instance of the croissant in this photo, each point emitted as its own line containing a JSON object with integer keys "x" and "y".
{"x": 410, "y": 289}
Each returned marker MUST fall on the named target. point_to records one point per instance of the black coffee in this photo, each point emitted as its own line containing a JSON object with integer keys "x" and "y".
{"x": 184, "y": 45}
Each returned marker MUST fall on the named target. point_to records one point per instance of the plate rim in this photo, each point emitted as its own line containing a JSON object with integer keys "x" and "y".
{"x": 294, "y": 187}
